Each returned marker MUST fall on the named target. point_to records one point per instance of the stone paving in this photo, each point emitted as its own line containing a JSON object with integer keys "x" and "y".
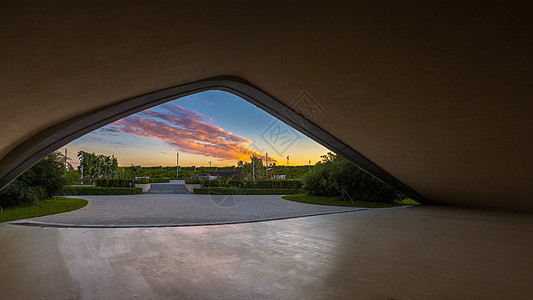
{"x": 152, "y": 210}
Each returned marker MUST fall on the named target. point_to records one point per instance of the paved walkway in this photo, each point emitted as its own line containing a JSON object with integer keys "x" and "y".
{"x": 152, "y": 210}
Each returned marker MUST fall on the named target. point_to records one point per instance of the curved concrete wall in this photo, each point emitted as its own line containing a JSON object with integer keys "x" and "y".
{"x": 437, "y": 95}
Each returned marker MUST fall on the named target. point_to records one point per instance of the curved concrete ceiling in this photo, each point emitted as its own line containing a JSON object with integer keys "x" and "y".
{"x": 436, "y": 95}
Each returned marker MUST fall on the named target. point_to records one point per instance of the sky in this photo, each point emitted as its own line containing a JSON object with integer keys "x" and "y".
{"x": 212, "y": 126}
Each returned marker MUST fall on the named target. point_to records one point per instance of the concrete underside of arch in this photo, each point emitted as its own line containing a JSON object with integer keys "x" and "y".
{"x": 438, "y": 96}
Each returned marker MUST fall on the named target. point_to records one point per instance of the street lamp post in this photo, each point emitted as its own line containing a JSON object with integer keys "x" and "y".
{"x": 81, "y": 162}
{"x": 177, "y": 164}
{"x": 65, "y": 162}
{"x": 266, "y": 166}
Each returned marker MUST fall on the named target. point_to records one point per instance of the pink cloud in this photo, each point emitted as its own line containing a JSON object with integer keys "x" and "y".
{"x": 186, "y": 130}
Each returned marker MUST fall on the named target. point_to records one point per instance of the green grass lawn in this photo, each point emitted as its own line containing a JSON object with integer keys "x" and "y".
{"x": 51, "y": 206}
{"x": 332, "y": 201}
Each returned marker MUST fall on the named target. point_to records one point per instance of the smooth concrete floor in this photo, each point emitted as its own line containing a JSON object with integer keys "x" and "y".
{"x": 398, "y": 253}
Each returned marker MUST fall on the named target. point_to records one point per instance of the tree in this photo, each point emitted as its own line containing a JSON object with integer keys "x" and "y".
{"x": 97, "y": 166}
{"x": 44, "y": 180}
{"x": 334, "y": 176}
{"x": 134, "y": 169}
{"x": 73, "y": 176}
{"x": 254, "y": 164}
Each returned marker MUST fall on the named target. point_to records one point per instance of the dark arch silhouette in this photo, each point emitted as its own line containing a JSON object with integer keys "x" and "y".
{"x": 32, "y": 150}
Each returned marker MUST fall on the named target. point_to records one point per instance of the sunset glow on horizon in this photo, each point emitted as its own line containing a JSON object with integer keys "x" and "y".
{"x": 212, "y": 126}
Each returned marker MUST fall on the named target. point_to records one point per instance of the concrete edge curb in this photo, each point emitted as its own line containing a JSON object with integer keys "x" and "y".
{"x": 59, "y": 225}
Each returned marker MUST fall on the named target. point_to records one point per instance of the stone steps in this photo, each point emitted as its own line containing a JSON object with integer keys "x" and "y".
{"x": 167, "y": 188}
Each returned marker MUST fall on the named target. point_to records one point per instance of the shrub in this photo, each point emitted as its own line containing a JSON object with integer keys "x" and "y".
{"x": 92, "y": 190}
{"x": 193, "y": 181}
{"x": 249, "y": 184}
{"x": 73, "y": 177}
{"x": 114, "y": 182}
{"x": 336, "y": 177}
{"x": 142, "y": 181}
{"x": 47, "y": 174}
{"x": 158, "y": 180}
{"x": 238, "y": 191}
{"x": 43, "y": 180}
{"x": 125, "y": 182}
{"x": 293, "y": 172}
{"x": 19, "y": 193}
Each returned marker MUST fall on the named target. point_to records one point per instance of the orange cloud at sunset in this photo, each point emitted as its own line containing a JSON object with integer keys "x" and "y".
{"x": 185, "y": 130}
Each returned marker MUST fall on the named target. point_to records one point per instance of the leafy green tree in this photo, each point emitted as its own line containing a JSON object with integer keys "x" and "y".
{"x": 335, "y": 177}
{"x": 134, "y": 169}
{"x": 97, "y": 166}
{"x": 248, "y": 169}
{"x": 294, "y": 172}
{"x": 73, "y": 176}
{"x": 43, "y": 180}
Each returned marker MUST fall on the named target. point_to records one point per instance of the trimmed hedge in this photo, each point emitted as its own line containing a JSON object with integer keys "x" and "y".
{"x": 248, "y": 184}
{"x": 158, "y": 180}
{"x": 152, "y": 180}
{"x": 237, "y": 191}
{"x": 114, "y": 182}
{"x": 125, "y": 182}
{"x": 193, "y": 181}
{"x": 142, "y": 180}
{"x": 92, "y": 190}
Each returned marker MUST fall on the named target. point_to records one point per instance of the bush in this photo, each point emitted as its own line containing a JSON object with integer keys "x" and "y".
{"x": 238, "y": 191}
{"x": 125, "y": 182}
{"x": 92, "y": 190}
{"x": 43, "y": 180}
{"x": 114, "y": 182}
{"x": 293, "y": 172}
{"x": 193, "y": 181}
{"x": 47, "y": 174}
{"x": 333, "y": 178}
{"x": 249, "y": 184}
{"x": 142, "y": 181}
{"x": 158, "y": 180}
{"x": 73, "y": 177}
{"x": 19, "y": 193}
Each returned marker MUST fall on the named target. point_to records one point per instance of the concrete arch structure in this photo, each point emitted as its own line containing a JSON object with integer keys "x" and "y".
{"x": 51, "y": 139}
{"x": 438, "y": 96}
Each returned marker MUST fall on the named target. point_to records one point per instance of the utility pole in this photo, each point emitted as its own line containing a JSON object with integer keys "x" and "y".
{"x": 177, "y": 164}
{"x": 253, "y": 168}
{"x": 287, "y": 162}
{"x": 209, "y": 164}
{"x": 309, "y": 165}
{"x": 266, "y": 166}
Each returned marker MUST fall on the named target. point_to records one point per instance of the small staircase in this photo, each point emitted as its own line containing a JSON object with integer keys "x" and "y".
{"x": 167, "y": 188}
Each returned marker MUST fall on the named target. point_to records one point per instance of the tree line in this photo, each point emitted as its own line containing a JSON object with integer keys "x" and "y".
{"x": 333, "y": 176}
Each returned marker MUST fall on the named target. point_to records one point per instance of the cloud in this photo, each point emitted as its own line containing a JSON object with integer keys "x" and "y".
{"x": 187, "y": 131}
{"x": 206, "y": 102}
